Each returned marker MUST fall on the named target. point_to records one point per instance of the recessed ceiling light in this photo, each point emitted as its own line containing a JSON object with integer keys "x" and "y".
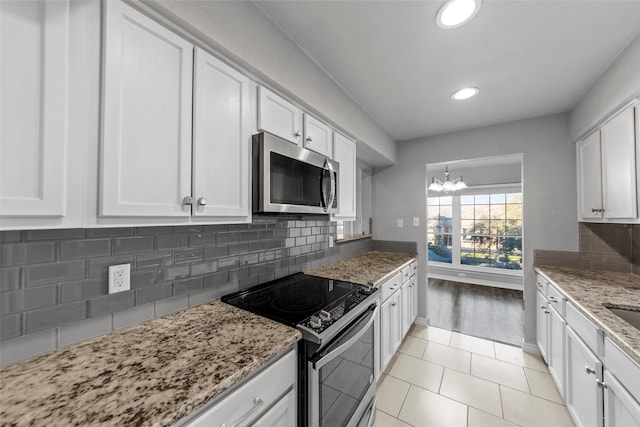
{"x": 454, "y": 13}
{"x": 465, "y": 93}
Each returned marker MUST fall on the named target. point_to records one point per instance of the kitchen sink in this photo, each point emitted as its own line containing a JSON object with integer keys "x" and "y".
{"x": 632, "y": 316}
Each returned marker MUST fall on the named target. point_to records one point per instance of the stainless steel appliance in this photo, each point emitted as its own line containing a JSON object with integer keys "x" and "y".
{"x": 336, "y": 355}
{"x": 291, "y": 179}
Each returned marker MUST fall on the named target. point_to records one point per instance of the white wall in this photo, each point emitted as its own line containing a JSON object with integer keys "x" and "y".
{"x": 241, "y": 32}
{"x": 619, "y": 84}
{"x": 549, "y": 183}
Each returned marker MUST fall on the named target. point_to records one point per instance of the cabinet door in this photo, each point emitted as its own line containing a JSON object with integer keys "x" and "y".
{"x": 34, "y": 76}
{"x": 542, "y": 324}
{"x": 620, "y": 408}
{"x": 386, "y": 333}
{"x": 590, "y": 177}
{"x": 396, "y": 320}
{"x": 279, "y": 117}
{"x": 619, "y": 166}
{"x": 405, "y": 309}
{"x": 344, "y": 152}
{"x": 318, "y": 136}
{"x": 584, "y": 371}
{"x": 221, "y": 140}
{"x": 146, "y": 135}
{"x": 413, "y": 286}
{"x": 556, "y": 350}
{"x": 282, "y": 414}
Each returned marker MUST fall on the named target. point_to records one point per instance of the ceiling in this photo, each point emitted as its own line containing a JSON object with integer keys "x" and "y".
{"x": 529, "y": 58}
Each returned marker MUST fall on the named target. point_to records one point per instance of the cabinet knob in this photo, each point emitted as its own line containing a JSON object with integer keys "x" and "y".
{"x": 543, "y": 307}
{"x": 297, "y": 134}
{"x": 202, "y": 201}
{"x": 393, "y": 304}
{"x": 589, "y": 370}
{"x": 309, "y": 139}
{"x": 187, "y": 200}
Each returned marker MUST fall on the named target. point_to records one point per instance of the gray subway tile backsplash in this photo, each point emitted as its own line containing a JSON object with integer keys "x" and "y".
{"x": 54, "y": 283}
{"x": 607, "y": 247}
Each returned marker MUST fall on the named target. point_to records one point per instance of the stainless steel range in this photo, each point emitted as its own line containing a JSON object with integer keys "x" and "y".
{"x": 336, "y": 355}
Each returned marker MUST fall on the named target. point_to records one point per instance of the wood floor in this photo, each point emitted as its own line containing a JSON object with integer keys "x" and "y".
{"x": 482, "y": 311}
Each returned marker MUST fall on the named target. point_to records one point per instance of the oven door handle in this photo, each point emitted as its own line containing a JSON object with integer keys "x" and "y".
{"x": 341, "y": 346}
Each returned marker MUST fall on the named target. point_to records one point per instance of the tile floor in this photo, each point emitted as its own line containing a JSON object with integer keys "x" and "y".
{"x": 444, "y": 378}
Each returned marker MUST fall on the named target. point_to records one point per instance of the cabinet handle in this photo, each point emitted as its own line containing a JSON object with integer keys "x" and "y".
{"x": 309, "y": 139}
{"x": 539, "y": 285}
{"x": 589, "y": 370}
{"x": 187, "y": 200}
{"x": 543, "y": 307}
{"x": 298, "y": 134}
{"x": 202, "y": 201}
{"x": 553, "y": 299}
{"x": 602, "y": 384}
{"x": 547, "y": 312}
{"x": 257, "y": 402}
{"x": 393, "y": 304}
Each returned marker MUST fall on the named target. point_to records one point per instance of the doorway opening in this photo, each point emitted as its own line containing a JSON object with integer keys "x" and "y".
{"x": 474, "y": 248}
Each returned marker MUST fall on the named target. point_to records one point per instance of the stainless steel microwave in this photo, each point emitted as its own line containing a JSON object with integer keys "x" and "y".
{"x": 291, "y": 179}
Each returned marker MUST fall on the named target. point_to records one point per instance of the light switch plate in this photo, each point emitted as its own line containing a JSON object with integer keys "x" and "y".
{"x": 400, "y": 223}
{"x": 416, "y": 221}
{"x": 119, "y": 278}
{"x": 330, "y": 240}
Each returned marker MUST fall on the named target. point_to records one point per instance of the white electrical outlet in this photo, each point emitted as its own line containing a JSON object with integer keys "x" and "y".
{"x": 416, "y": 221}
{"x": 119, "y": 278}
{"x": 330, "y": 240}
{"x": 400, "y": 223}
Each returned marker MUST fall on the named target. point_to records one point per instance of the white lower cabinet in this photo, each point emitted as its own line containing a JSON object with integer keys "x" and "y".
{"x": 542, "y": 324}
{"x": 398, "y": 311}
{"x": 389, "y": 328}
{"x": 557, "y": 346}
{"x": 267, "y": 399}
{"x": 282, "y": 414}
{"x": 620, "y": 408}
{"x": 584, "y": 374}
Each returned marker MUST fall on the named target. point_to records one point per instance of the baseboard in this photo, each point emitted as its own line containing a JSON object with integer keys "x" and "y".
{"x": 421, "y": 321}
{"x": 528, "y": 347}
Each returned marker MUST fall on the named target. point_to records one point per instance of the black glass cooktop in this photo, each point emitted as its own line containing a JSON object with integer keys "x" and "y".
{"x": 292, "y": 299}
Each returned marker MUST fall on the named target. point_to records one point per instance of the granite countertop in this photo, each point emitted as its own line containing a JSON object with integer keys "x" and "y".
{"x": 590, "y": 291}
{"x": 150, "y": 374}
{"x": 369, "y": 267}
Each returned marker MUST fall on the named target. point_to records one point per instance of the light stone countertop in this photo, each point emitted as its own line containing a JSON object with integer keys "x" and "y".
{"x": 590, "y": 291}
{"x": 370, "y": 267}
{"x": 152, "y": 374}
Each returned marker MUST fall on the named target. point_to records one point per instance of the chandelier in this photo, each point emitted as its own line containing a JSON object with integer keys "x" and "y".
{"x": 448, "y": 185}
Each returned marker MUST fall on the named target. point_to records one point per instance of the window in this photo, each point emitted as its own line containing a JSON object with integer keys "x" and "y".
{"x": 478, "y": 229}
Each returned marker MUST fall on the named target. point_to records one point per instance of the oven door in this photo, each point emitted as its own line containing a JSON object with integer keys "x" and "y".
{"x": 341, "y": 382}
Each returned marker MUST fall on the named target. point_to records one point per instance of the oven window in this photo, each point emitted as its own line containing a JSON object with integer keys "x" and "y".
{"x": 345, "y": 380}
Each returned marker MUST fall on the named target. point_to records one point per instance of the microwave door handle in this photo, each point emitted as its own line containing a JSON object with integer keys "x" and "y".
{"x": 332, "y": 178}
{"x": 323, "y": 194}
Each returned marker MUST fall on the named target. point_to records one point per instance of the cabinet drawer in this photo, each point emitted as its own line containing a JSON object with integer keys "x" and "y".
{"x": 391, "y": 285}
{"x": 253, "y": 397}
{"x": 626, "y": 370}
{"x": 541, "y": 284}
{"x": 406, "y": 273}
{"x": 556, "y": 300}
{"x": 586, "y": 330}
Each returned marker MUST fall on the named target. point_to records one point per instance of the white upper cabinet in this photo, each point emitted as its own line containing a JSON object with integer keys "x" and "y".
{"x": 221, "y": 140}
{"x": 607, "y": 171}
{"x": 146, "y": 135}
{"x": 619, "y": 166}
{"x": 344, "y": 152}
{"x": 34, "y": 109}
{"x": 590, "y": 177}
{"x": 317, "y": 136}
{"x": 278, "y": 116}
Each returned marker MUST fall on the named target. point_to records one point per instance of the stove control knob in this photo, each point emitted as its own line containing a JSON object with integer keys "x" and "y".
{"x": 325, "y": 316}
{"x": 315, "y": 322}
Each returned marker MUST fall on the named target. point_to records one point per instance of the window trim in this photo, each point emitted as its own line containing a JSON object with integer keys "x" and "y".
{"x": 456, "y": 222}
